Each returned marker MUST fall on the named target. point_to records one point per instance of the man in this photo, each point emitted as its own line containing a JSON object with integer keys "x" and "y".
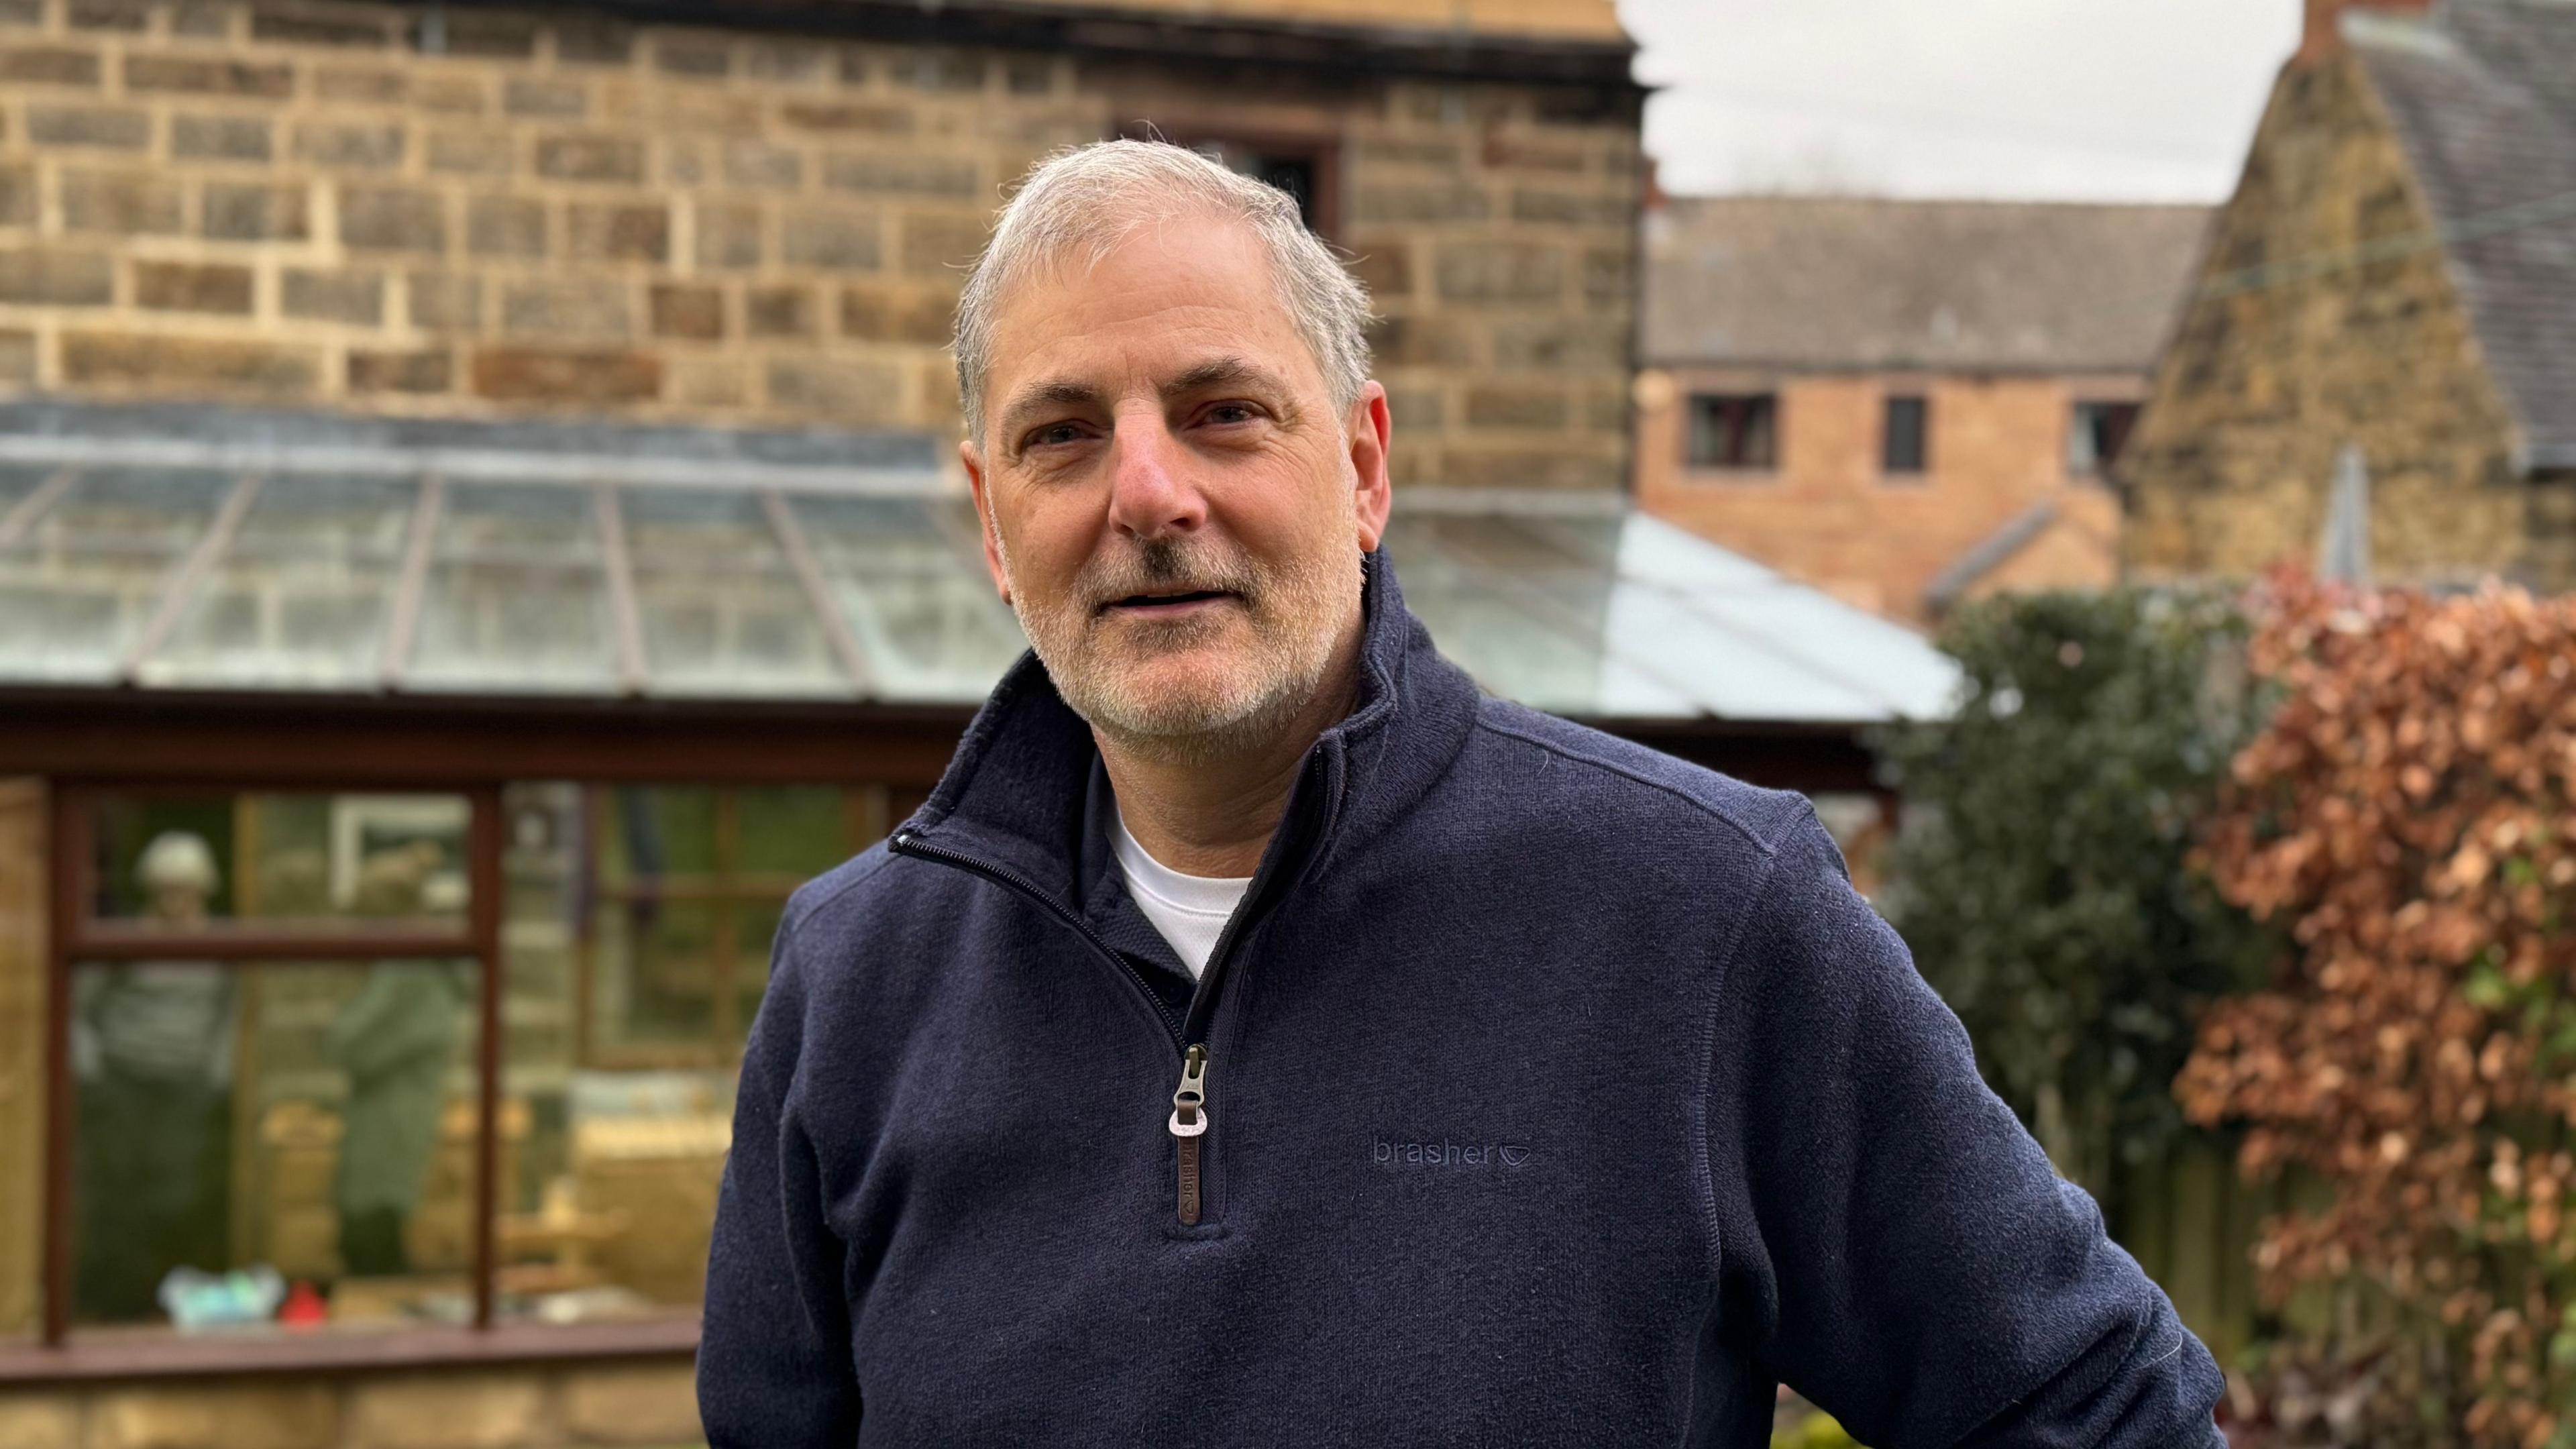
{"x": 1260, "y": 1037}
{"x": 152, "y": 1053}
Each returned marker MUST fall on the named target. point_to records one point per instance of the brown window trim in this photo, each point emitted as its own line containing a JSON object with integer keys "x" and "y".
{"x": 111, "y": 1356}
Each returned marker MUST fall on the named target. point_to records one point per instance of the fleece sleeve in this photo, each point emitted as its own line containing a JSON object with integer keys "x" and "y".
{"x": 774, "y": 1366}
{"x": 1890, "y": 1242}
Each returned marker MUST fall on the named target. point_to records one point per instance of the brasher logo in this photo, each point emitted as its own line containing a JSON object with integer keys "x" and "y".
{"x": 1447, "y": 1154}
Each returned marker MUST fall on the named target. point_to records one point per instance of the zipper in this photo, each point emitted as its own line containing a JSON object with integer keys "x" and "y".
{"x": 1189, "y": 1124}
{"x": 1189, "y": 1120}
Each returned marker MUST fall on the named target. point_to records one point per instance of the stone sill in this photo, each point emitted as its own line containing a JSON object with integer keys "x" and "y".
{"x": 98, "y": 1358}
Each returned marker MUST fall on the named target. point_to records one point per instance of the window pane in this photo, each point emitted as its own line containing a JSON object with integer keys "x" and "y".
{"x": 1728, "y": 430}
{"x": 17, "y": 480}
{"x": 615, "y": 1184}
{"x": 2097, "y": 434}
{"x": 76, "y": 591}
{"x": 722, "y": 612}
{"x": 914, "y": 593}
{"x": 182, "y": 861}
{"x": 1907, "y": 419}
{"x": 515, "y": 601}
{"x": 247, "y": 1137}
{"x": 22, "y": 1053}
{"x": 795, "y": 832}
{"x": 299, "y": 600}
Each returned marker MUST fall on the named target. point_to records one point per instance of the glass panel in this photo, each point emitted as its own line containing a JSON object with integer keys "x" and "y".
{"x": 915, "y": 593}
{"x": 22, "y": 1054}
{"x": 77, "y": 590}
{"x": 350, "y": 861}
{"x": 515, "y": 601}
{"x": 17, "y": 480}
{"x": 795, "y": 832}
{"x": 281, "y": 1143}
{"x": 1526, "y": 621}
{"x": 722, "y": 612}
{"x": 674, "y": 893}
{"x": 300, "y": 598}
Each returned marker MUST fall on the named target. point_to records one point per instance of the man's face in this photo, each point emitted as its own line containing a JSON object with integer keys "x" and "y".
{"x": 179, "y": 903}
{"x": 1171, "y": 503}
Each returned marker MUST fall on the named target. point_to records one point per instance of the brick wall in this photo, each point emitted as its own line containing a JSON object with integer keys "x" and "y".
{"x": 2261, "y": 389}
{"x": 650, "y": 1406}
{"x": 22, "y": 1054}
{"x": 1830, "y": 515}
{"x": 466, "y": 211}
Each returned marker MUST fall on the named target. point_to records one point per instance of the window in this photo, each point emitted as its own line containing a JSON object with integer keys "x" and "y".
{"x": 2100, "y": 430}
{"x": 272, "y": 1030}
{"x": 1300, "y": 166}
{"x": 1908, "y": 423}
{"x": 282, "y": 1098}
{"x": 1734, "y": 430}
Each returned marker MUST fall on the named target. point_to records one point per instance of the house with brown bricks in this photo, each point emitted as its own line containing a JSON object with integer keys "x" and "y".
{"x": 1904, "y": 403}
{"x": 479, "y": 526}
{"x": 2377, "y": 365}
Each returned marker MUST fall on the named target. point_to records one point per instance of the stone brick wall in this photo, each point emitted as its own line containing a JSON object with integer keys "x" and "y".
{"x": 22, "y": 1054}
{"x": 1830, "y": 515}
{"x": 645, "y": 1406}
{"x": 470, "y": 211}
{"x": 2261, "y": 389}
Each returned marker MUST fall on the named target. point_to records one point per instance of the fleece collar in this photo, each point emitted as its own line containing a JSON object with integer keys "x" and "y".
{"x": 1023, "y": 791}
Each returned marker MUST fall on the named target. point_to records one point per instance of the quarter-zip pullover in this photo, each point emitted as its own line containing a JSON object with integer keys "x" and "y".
{"x": 1543, "y": 1090}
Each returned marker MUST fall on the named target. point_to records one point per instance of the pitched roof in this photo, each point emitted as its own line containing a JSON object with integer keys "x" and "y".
{"x": 2483, "y": 98}
{"x": 1845, "y": 282}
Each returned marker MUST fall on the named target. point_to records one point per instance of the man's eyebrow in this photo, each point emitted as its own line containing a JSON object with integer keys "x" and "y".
{"x": 1045, "y": 396}
{"x": 1221, "y": 372}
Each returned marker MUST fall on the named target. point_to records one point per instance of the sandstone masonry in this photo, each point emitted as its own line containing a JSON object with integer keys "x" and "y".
{"x": 470, "y": 212}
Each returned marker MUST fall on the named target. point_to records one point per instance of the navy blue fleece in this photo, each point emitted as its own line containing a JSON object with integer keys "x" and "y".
{"x": 1559, "y": 1093}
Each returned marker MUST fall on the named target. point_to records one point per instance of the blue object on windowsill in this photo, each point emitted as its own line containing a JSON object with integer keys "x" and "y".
{"x": 199, "y": 1300}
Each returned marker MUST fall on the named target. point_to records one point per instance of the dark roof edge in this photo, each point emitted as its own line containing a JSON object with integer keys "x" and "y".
{"x": 2553, "y": 458}
{"x": 1988, "y": 554}
{"x": 2143, "y": 368}
{"x": 1385, "y": 50}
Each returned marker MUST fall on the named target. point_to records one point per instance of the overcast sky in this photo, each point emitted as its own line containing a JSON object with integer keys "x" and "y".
{"x": 2116, "y": 100}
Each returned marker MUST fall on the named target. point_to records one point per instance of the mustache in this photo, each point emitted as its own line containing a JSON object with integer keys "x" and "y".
{"x": 1163, "y": 566}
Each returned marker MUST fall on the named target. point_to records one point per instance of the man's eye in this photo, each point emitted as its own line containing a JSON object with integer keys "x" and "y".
{"x": 1233, "y": 412}
{"x": 1053, "y": 433}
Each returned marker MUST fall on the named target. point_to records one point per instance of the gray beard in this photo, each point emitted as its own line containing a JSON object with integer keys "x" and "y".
{"x": 1273, "y": 712}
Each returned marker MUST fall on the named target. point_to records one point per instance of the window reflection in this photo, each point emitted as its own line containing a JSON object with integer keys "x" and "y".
{"x": 635, "y": 944}
{"x": 179, "y": 862}
{"x": 275, "y": 1143}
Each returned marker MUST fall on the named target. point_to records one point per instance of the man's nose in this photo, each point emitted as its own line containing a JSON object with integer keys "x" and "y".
{"x": 1151, "y": 491}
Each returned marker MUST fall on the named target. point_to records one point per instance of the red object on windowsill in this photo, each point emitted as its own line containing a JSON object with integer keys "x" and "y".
{"x": 303, "y": 1307}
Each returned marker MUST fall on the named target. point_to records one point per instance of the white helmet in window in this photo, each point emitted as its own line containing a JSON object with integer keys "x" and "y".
{"x": 177, "y": 859}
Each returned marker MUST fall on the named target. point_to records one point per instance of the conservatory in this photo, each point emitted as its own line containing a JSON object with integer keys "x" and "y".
{"x": 394, "y": 816}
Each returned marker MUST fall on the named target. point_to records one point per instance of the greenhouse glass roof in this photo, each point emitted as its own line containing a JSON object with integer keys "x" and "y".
{"x": 206, "y": 549}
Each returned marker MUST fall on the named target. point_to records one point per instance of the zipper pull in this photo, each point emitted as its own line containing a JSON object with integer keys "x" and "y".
{"x": 1190, "y": 1123}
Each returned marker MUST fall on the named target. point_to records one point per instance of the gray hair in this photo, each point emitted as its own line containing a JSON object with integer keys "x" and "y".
{"x": 1093, "y": 197}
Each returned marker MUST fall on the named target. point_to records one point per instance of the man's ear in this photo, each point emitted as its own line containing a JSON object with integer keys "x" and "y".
{"x": 976, "y": 484}
{"x": 1369, "y": 427}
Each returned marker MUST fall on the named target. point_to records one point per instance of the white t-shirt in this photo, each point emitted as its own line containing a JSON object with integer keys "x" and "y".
{"x": 1190, "y": 910}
